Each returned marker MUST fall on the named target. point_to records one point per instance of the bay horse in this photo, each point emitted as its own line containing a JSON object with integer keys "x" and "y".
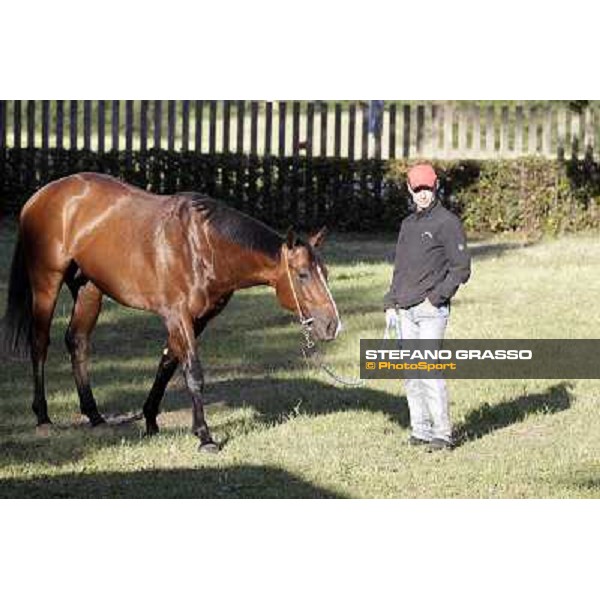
{"x": 180, "y": 257}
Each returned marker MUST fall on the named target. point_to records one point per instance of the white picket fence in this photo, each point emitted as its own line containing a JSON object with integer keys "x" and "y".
{"x": 433, "y": 130}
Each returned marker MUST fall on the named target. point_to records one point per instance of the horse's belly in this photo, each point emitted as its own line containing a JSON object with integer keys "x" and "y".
{"x": 126, "y": 275}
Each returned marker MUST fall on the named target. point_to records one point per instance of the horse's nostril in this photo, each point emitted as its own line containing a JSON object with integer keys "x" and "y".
{"x": 331, "y": 327}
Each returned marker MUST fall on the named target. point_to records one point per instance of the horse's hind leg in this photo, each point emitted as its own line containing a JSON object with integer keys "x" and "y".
{"x": 45, "y": 287}
{"x": 166, "y": 369}
{"x": 88, "y": 302}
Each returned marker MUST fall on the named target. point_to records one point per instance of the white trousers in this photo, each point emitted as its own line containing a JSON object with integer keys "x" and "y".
{"x": 427, "y": 398}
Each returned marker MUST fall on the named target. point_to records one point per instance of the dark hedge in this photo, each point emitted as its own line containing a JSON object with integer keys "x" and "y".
{"x": 365, "y": 195}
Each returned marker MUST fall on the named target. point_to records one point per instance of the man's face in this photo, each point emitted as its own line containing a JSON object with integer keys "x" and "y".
{"x": 422, "y": 197}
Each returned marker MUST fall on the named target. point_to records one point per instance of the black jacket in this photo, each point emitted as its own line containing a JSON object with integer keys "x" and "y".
{"x": 432, "y": 259}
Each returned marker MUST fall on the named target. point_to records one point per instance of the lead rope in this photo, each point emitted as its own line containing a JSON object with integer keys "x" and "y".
{"x": 309, "y": 350}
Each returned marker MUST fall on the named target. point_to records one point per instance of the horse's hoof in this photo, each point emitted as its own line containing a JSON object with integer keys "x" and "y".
{"x": 43, "y": 429}
{"x": 97, "y": 420}
{"x": 209, "y": 447}
{"x": 151, "y": 430}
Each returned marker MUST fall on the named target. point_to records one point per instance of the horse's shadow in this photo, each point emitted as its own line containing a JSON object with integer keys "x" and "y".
{"x": 273, "y": 401}
{"x": 314, "y": 398}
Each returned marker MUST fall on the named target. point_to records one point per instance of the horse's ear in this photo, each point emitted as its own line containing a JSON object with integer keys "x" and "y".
{"x": 291, "y": 238}
{"x": 317, "y": 238}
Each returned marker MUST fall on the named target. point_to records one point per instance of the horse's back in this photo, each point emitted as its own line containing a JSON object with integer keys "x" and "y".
{"x": 83, "y": 191}
{"x": 112, "y": 230}
{"x": 79, "y": 206}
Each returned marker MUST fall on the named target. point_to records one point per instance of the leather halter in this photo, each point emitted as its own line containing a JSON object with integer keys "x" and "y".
{"x": 304, "y": 321}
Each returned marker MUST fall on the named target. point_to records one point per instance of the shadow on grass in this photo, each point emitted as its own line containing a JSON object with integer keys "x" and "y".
{"x": 488, "y": 418}
{"x": 273, "y": 402}
{"x": 495, "y": 250}
{"x": 590, "y": 484}
{"x": 246, "y": 481}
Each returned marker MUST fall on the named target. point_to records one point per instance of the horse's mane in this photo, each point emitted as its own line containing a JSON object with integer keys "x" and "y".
{"x": 235, "y": 226}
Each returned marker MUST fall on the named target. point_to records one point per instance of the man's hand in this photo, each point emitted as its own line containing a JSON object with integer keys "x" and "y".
{"x": 391, "y": 318}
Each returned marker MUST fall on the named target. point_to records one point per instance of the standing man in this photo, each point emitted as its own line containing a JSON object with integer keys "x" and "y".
{"x": 431, "y": 262}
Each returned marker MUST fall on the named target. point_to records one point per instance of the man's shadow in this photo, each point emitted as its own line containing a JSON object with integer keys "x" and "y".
{"x": 488, "y": 418}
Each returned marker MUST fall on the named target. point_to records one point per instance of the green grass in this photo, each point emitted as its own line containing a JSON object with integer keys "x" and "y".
{"x": 288, "y": 431}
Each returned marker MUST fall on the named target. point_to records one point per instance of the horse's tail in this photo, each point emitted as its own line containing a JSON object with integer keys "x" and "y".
{"x": 16, "y": 326}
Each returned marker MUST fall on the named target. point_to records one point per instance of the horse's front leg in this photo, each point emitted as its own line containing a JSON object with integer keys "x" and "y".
{"x": 182, "y": 346}
{"x": 194, "y": 380}
{"x": 168, "y": 365}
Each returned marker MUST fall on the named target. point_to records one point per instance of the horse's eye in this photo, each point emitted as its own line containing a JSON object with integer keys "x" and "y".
{"x": 303, "y": 275}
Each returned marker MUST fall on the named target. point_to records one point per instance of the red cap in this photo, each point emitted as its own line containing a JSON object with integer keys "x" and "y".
{"x": 422, "y": 176}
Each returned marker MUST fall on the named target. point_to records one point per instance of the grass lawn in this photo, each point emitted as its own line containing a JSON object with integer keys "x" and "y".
{"x": 290, "y": 432}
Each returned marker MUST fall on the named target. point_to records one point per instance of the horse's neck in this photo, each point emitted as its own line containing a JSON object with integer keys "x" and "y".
{"x": 257, "y": 269}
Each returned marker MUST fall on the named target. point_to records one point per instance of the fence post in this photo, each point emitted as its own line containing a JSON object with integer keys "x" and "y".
{"x": 171, "y": 125}
{"x": 420, "y": 129}
{"x": 144, "y": 125}
{"x": 268, "y": 128}
{"x": 45, "y": 124}
{"x": 310, "y": 123}
{"x": 17, "y": 124}
{"x": 114, "y": 124}
{"x": 198, "y": 130}
{"x": 434, "y": 141}
{"x": 351, "y": 130}
{"x": 254, "y": 128}
{"x": 561, "y": 133}
{"x": 427, "y": 131}
{"x": 74, "y": 125}
{"x": 448, "y": 130}
{"x": 589, "y": 132}
{"x": 157, "y": 123}
{"x": 31, "y": 179}
{"x": 476, "y": 141}
{"x": 281, "y": 140}
{"x": 241, "y": 119}
{"x": 463, "y": 130}
{"x": 406, "y": 131}
{"x": 2, "y": 124}
{"x": 59, "y": 124}
{"x": 295, "y": 127}
{"x": 337, "y": 131}
{"x": 547, "y": 132}
{"x": 226, "y": 125}
{"x": 532, "y": 133}
{"x": 101, "y": 132}
{"x": 185, "y": 125}
{"x": 575, "y": 135}
{"x": 2, "y": 142}
{"x": 128, "y": 133}
{"x": 392, "y": 138}
{"x": 310, "y": 201}
{"x": 129, "y": 126}
{"x": 490, "y": 131}
{"x": 212, "y": 127}
{"x": 504, "y": 146}
{"x": 519, "y": 130}
{"x": 31, "y": 123}
{"x": 324, "y": 117}
{"x": 87, "y": 124}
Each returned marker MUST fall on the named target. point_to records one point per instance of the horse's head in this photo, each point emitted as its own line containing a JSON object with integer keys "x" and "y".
{"x": 302, "y": 285}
